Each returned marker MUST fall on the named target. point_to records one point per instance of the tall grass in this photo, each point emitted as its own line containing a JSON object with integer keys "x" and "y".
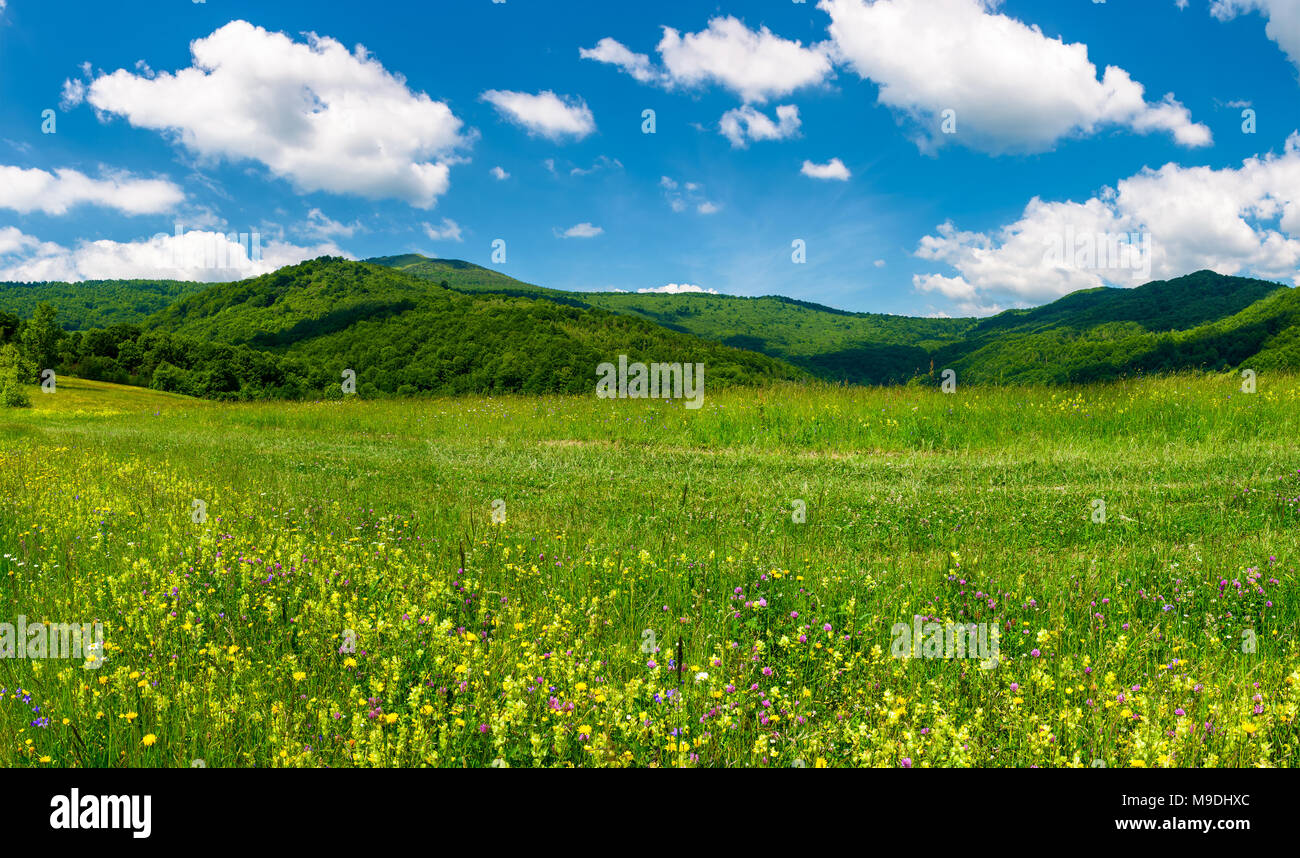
{"x": 1123, "y": 641}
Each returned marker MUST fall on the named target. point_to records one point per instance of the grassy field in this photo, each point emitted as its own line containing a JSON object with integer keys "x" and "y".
{"x": 349, "y": 599}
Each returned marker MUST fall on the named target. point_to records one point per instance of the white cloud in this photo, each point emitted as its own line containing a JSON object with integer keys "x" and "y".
{"x": 609, "y": 51}
{"x": 745, "y": 124}
{"x": 832, "y": 169}
{"x": 602, "y": 162}
{"x": 499, "y": 174}
{"x": 448, "y": 230}
{"x": 74, "y": 92}
{"x": 54, "y": 193}
{"x": 1243, "y": 220}
{"x": 1012, "y": 88}
{"x": 683, "y": 196}
{"x": 679, "y": 289}
{"x": 582, "y": 230}
{"x": 320, "y": 226}
{"x": 545, "y": 113}
{"x": 1283, "y": 20}
{"x": 315, "y": 114}
{"x": 197, "y": 255}
{"x": 756, "y": 65}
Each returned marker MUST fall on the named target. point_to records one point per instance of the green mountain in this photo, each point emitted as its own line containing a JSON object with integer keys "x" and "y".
{"x": 293, "y": 332}
{"x": 410, "y": 324}
{"x": 863, "y": 348}
{"x": 461, "y": 276}
{"x": 1202, "y": 320}
{"x": 1190, "y": 322}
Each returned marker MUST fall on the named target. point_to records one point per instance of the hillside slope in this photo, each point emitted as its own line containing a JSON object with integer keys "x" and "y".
{"x": 95, "y": 303}
{"x": 1195, "y": 321}
{"x": 420, "y": 324}
{"x": 1203, "y": 320}
{"x": 838, "y": 345}
{"x": 405, "y": 335}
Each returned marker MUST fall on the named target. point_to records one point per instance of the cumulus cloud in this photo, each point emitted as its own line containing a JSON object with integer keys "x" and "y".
{"x": 832, "y": 169}
{"x": 754, "y": 64}
{"x": 545, "y": 114}
{"x": 499, "y": 174}
{"x": 448, "y": 230}
{"x": 679, "y": 289}
{"x": 1011, "y": 88}
{"x": 1154, "y": 225}
{"x": 582, "y": 230}
{"x": 745, "y": 124}
{"x": 1283, "y": 20}
{"x": 313, "y": 113}
{"x": 200, "y": 255}
{"x": 29, "y": 190}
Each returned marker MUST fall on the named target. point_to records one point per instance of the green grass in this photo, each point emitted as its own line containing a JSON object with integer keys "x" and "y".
{"x": 628, "y": 516}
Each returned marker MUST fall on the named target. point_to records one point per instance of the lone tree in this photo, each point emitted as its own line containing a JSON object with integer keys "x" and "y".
{"x": 40, "y": 339}
{"x": 12, "y": 393}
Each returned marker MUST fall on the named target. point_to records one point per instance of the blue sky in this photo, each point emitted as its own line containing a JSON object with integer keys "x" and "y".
{"x": 775, "y": 122}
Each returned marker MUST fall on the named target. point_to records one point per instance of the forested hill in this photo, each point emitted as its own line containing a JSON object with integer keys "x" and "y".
{"x": 1201, "y": 321}
{"x": 871, "y": 348}
{"x": 293, "y": 333}
{"x": 410, "y": 324}
{"x": 95, "y": 303}
{"x": 1196, "y": 321}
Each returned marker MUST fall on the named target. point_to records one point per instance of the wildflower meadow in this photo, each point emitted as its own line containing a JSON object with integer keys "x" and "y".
{"x": 770, "y": 580}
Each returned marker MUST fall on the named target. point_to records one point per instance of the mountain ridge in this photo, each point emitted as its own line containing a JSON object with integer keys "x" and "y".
{"x": 432, "y": 325}
{"x": 876, "y": 348}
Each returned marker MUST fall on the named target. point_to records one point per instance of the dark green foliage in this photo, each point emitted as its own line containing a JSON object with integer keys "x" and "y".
{"x": 1197, "y": 321}
{"x": 127, "y": 355}
{"x": 454, "y": 343}
{"x": 292, "y": 333}
{"x": 1162, "y": 305}
{"x": 39, "y": 338}
{"x": 870, "y": 364}
{"x": 9, "y": 323}
{"x": 12, "y": 372}
{"x": 1201, "y": 321}
{"x": 833, "y": 344}
{"x": 410, "y": 325}
{"x": 93, "y": 303}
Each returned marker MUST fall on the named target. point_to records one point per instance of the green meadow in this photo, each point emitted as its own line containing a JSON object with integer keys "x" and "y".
{"x": 568, "y": 581}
